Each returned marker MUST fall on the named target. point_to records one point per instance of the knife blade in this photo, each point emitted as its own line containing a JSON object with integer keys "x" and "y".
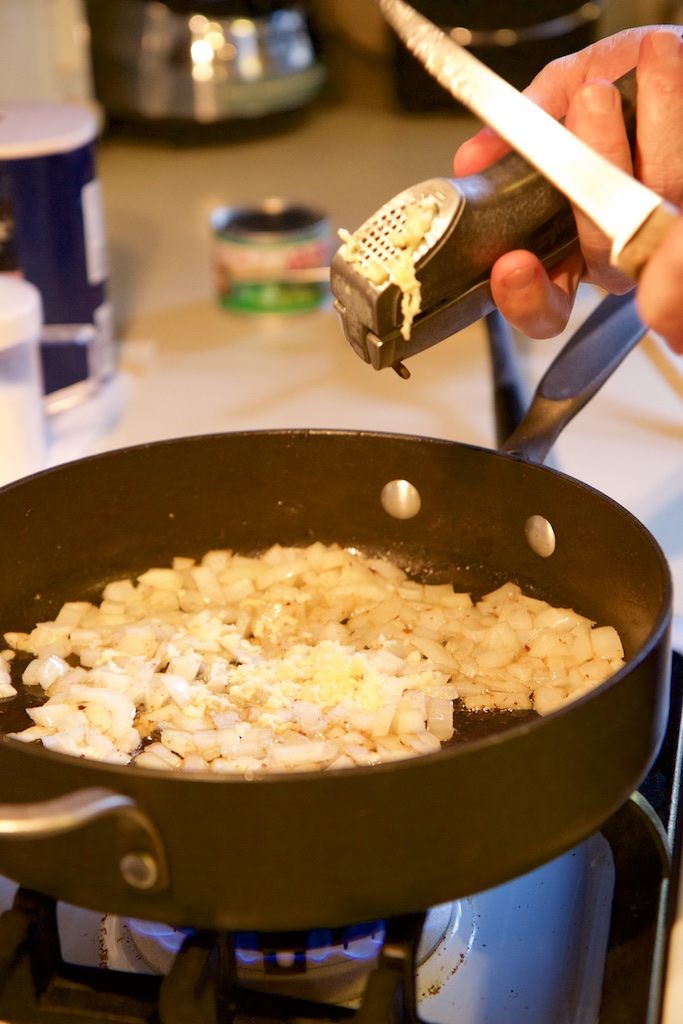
{"x": 634, "y": 218}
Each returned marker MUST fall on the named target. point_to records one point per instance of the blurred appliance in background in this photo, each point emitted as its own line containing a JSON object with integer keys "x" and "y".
{"x": 515, "y": 39}
{"x": 45, "y": 51}
{"x": 194, "y": 69}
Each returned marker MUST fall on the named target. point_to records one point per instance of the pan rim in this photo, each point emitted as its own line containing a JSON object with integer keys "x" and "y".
{"x": 659, "y": 630}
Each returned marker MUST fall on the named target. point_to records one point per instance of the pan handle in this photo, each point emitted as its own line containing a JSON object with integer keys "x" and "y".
{"x": 509, "y": 401}
{"x": 141, "y": 858}
{"x": 588, "y": 359}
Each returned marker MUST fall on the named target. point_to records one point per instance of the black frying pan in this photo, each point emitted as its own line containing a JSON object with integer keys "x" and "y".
{"x": 296, "y": 851}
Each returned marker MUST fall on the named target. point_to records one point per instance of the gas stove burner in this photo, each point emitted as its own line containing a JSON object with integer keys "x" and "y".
{"x": 538, "y": 948}
{"x": 580, "y": 939}
{"x": 532, "y": 949}
{"x": 330, "y": 966}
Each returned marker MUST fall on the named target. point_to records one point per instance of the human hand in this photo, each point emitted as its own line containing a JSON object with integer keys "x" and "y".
{"x": 578, "y": 88}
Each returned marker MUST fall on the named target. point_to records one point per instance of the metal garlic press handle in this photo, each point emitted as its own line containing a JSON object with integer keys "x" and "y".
{"x": 481, "y": 217}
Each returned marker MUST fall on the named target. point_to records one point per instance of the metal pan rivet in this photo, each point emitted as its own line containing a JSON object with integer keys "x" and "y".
{"x": 401, "y": 499}
{"x": 139, "y": 870}
{"x": 540, "y": 536}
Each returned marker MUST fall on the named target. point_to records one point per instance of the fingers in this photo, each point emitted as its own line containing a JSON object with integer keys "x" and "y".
{"x": 578, "y": 88}
{"x": 535, "y": 303}
{"x": 659, "y": 159}
{"x": 606, "y": 59}
{"x": 552, "y": 89}
{"x": 660, "y": 289}
{"x": 594, "y": 116}
{"x": 479, "y": 152}
{"x": 659, "y": 165}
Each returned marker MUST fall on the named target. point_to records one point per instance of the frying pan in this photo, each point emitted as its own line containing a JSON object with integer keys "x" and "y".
{"x": 296, "y": 851}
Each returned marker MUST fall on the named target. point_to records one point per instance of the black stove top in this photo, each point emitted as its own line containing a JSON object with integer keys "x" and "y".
{"x": 37, "y": 985}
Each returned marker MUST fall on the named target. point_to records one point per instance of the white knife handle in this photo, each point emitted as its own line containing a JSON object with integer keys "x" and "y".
{"x": 632, "y": 255}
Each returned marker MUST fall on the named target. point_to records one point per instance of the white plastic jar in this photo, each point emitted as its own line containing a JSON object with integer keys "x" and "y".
{"x": 22, "y": 417}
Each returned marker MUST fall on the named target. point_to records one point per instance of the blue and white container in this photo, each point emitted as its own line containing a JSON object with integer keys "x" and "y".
{"x": 52, "y": 234}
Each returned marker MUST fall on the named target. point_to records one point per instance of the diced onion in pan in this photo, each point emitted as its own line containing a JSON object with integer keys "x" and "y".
{"x": 299, "y": 659}
{"x": 6, "y": 687}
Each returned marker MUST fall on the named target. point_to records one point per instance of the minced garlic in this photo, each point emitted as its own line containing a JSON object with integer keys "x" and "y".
{"x": 397, "y": 265}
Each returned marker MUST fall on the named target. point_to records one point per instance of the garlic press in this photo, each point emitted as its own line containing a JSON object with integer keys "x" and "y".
{"x": 476, "y": 219}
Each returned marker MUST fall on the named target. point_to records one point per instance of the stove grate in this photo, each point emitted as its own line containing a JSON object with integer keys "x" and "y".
{"x": 37, "y": 986}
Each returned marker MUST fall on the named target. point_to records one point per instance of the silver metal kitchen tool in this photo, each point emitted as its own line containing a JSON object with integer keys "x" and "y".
{"x": 476, "y": 219}
{"x": 632, "y": 216}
